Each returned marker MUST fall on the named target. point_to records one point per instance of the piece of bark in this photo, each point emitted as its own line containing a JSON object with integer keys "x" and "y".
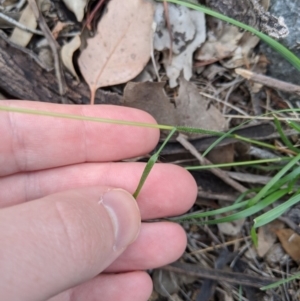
{"x": 22, "y": 78}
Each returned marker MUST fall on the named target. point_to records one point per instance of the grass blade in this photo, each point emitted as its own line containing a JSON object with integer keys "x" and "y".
{"x": 294, "y": 125}
{"x": 237, "y": 163}
{"x": 241, "y": 214}
{"x": 274, "y": 180}
{"x": 283, "y": 281}
{"x": 284, "y": 138}
{"x": 251, "y": 210}
{"x": 85, "y": 118}
{"x": 276, "y": 212}
{"x": 228, "y": 133}
{"x": 197, "y": 215}
{"x": 150, "y": 164}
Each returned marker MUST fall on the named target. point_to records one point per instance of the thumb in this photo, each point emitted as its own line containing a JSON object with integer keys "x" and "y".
{"x": 56, "y": 242}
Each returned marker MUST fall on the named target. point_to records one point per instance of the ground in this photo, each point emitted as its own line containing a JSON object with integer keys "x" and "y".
{"x": 223, "y": 85}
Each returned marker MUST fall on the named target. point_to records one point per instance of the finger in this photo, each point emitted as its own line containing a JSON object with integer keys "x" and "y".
{"x": 158, "y": 244}
{"x": 135, "y": 286}
{"x": 62, "y": 240}
{"x": 168, "y": 191}
{"x": 31, "y": 142}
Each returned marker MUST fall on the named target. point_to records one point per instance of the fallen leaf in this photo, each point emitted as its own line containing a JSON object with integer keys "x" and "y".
{"x": 222, "y": 41}
{"x": 27, "y": 19}
{"x": 46, "y": 56}
{"x": 290, "y": 242}
{"x": 77, "y": 7}
{"x": 231, "y": 228}
{"x": 276, "y": 256}
{"x": 188, "y": 32}
{"x": 193, "y": 110}
{"x": 226, "y": 41}
{"x": 150, "y": 97}
{"x": 267, "y": 237}
{"x": 242, "y": 54}
{"x": 67, "y": 52}
{"x": 121, "y": 46}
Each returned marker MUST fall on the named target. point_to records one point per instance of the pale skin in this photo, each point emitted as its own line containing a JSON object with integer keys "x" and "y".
{"x": 57, "y": 236}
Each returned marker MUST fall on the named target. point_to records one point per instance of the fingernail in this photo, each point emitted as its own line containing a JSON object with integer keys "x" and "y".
{"x": 125, "y": 216}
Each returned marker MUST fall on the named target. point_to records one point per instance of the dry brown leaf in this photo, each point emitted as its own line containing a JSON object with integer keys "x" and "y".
{"x": 221, "y": 44}
{"x": 150, "y": 97}
{"x": 67, "y": 52}
{"x": 27, "y": 19}
{"x": 276, "y": 256}
{"x": 267, "y": 237}
{"x": 290, "y": 242}
{"x": 193, "y": 110}
{"x": 121, "y": 47}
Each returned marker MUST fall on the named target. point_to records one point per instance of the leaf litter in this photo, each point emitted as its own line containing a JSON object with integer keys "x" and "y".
{"x": 185, "y": 105}
{"x": 121, "y": 46}
{"x": 77, "y": 7}
{"x": 67, "y": 52}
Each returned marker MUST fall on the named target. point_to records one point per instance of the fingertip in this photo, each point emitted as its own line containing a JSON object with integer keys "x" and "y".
{"x": 152, "y": 134}
{"x": 69, "y": 234}
{"x": 159, "y": 243}
{"x": 128, "y": 286}
{"x": 176, "y": 184}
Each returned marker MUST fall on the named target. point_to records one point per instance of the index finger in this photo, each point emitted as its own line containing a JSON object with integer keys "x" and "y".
{"x": 34, "y": 142}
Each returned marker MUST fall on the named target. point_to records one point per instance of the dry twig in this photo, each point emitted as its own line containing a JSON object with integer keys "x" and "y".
{"x": 268, "y": 81}
{"x": 20, "y": 25}
{"x": 25, "y": 50}
{"x": 213, "y": 248}
{"x": 203, "y": 161}
{"x": 219, "y": 275}
{"x": 54, "y": 47}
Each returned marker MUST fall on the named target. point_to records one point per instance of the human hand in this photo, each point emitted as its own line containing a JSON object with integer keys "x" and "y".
{"x": 57, "y": 199}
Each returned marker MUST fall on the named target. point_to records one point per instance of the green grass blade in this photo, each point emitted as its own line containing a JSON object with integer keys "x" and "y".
{"x": 228, "y": 133}
{"x": 284, "y": 138}
{"x": 287, "y": 54}
{"x": 197, "y": 215}
{"x": 280, "y": 282}
{"x": 237, "y": 163}
{"x": 242, "y": 196}
{"x": 276, "y": 212}
{"x": 150, "y": 164}
{"x": 187, "y": 129}
{"x": 274, "y": 180}
{"x": 251, "y": 210}
{"x": 84, "y": 118}
{"x": 254, "y": 237}
{"x": 239, "y": 215}
{"x": 125, "y": 122}
{"x": 255, "y": 142}
{"x": 294, "y": 125}
{"x": 290, "y": 177}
